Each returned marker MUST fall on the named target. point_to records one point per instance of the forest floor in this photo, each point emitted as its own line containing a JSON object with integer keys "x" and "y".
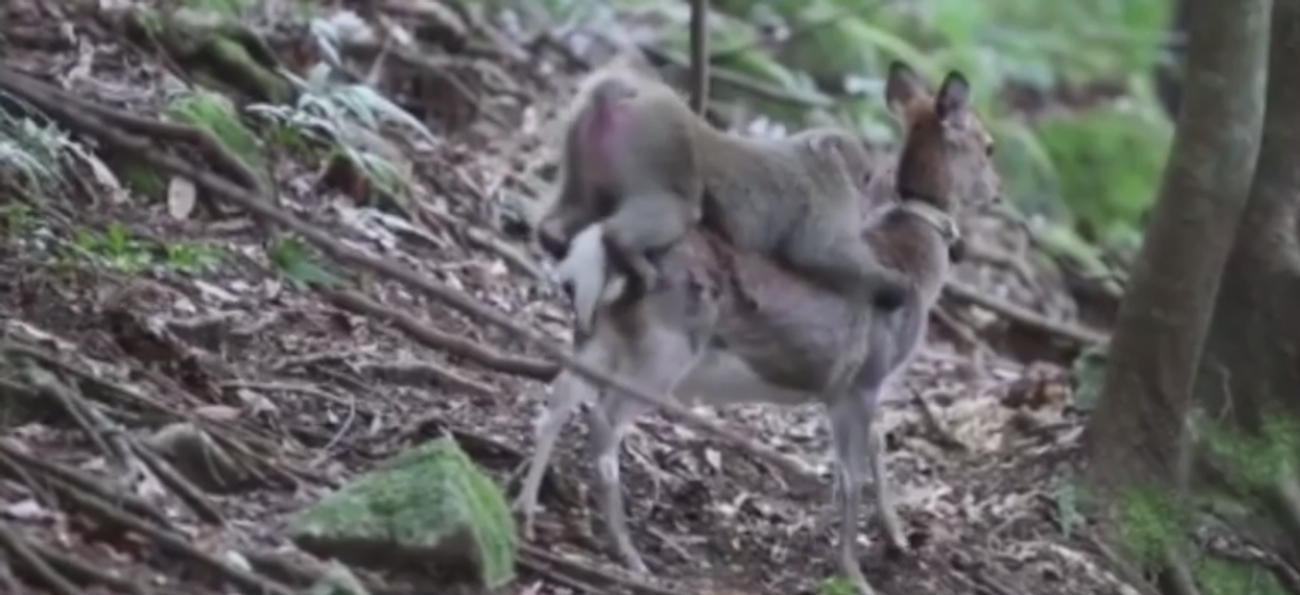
{"x": 310, "y": 388}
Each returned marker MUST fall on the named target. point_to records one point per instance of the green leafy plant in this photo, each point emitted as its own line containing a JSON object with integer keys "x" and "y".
{"x": 117, "y": 249}
{"x": 291, "y": 256}
{"x": 335, "y": 114}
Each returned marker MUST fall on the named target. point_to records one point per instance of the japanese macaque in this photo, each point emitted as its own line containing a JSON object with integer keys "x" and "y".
{"x": 627, "y": 158}
{"x": 637, "y": 158}
{"x": 730, "y": 326}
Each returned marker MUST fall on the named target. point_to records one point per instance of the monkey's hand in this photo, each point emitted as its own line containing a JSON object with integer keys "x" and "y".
{"x": 585, "y": 274}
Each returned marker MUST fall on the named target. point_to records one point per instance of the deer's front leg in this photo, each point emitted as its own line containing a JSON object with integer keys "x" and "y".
{"x": 851, "y": 416}
{"x": 884, "y": 497}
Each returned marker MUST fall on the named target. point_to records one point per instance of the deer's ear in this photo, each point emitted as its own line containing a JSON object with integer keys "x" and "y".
{"x": 902, "y": 87}
{"x": 954, "y": 96}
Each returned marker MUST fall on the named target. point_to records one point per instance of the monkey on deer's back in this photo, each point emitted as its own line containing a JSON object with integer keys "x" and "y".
{"x": 636, "y": 157}
{"x": 626, "y": 157}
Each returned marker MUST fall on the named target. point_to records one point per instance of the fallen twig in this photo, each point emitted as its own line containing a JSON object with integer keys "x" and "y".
{"x": 1022, "y": 316}
{"x": 433, "y": 338}
{"x": 549, "y": 564}
{"x": 21, "y": 552}
{"x": 420, "y": 373}
{"x": 189, "y": 494}
{"x": 177, "y": 544}
{"x": 86, "y": 572}
{"x": 64, "y": 480}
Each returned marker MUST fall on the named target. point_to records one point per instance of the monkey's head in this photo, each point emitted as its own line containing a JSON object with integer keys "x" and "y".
{"x": 947, "y": 157}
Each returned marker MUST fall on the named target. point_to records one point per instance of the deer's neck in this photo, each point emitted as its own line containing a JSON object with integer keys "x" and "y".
{"x": 916, "y": 238}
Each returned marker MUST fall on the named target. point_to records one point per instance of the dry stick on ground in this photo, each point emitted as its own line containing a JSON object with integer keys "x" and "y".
{"x": 547, "y": 563}
{"x": 1022, "y": 316}
{"x": 190, "y": 494}
{"x": 62, "y": 479}
{"x": 130, "y": 453}
{"x": 422, "y": 332}
{"x": 52, "y": 101}
{"x": 129, "y": 396}
{"x": 425, "y": 374}
{"x": 86, "y": 572}
{"x": 206, "y": 142}
{"x": 72, "y": 404}
{"x": 176, "y": 543}
{"x": 22, "y": 553}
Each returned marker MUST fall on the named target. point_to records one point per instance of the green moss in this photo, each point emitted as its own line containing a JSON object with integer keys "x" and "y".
{"x": 423, "y": 498}
{"x": 1088, "y": 372}
{"x": 1256, "y": 461}
{"x": 1149, "y": 524}
{"x": 216, "y": 114}
{"x": 1228, "y": 577}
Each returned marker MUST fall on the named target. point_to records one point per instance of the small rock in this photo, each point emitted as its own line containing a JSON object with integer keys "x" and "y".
{"x": 429, "y": 507}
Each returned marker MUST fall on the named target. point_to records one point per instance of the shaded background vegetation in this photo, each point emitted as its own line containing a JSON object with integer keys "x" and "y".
{"x": 1067, "y": 87}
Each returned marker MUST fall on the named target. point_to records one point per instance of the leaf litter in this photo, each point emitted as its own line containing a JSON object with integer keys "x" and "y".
{"x": 298, "y": 391}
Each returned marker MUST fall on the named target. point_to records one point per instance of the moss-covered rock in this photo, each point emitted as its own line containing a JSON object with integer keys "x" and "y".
{"x": 430, "y": 507}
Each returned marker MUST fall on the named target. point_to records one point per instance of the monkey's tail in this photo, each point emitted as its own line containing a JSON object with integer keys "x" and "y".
{"x": 585, "y": 268}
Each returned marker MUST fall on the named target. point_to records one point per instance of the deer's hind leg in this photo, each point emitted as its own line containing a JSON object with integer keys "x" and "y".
{"x": 656, "y": 363}
{"x": 568, "y": 391}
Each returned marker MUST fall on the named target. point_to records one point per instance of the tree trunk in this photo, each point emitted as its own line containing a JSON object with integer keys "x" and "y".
{"x": 1250, "y": 369}
{"x": 1134, "y": 434}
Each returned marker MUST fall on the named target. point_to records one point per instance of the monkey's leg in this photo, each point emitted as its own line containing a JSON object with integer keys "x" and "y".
{"x": 838, "y": 260}
{"x": 645, "y": 223}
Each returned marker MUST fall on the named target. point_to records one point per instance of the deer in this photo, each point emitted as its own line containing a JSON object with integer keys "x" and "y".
{"x": 727, "y": 326}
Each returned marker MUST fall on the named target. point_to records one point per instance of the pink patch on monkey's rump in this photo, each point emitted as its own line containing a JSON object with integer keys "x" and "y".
{"x": 604, "y": 129}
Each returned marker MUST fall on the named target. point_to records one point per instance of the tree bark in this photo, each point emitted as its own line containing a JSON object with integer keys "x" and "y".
{"x": 1250, "y": 369}
{"x": 1135, "y": 432}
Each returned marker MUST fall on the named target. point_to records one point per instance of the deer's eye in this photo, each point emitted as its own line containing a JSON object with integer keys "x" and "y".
{"x": 988, "y": 150}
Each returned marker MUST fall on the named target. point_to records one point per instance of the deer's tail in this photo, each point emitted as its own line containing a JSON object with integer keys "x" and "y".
{"x": 585, "y": 272}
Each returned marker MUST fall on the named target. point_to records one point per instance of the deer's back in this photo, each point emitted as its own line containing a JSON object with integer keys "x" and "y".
{"x": 782, "y": 326}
